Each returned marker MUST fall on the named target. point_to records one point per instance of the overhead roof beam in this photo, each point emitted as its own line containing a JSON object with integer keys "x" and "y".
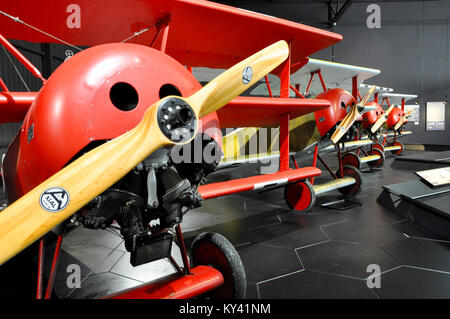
{"x": 335, "y": 15}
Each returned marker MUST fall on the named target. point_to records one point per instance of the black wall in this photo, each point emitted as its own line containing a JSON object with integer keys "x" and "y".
{"x": 411, "y": 48}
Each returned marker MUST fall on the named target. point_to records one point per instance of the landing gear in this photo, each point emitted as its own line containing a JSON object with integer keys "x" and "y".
{"x": 351, "y": 159}
{"x": 300, "y": 196}
{"x": 398, "y": 151}
{"x": 377, "y": 145}
{"x": 380, "y": 161}
{"x": 350, "y": 171}
{"x": 214, "y": 250}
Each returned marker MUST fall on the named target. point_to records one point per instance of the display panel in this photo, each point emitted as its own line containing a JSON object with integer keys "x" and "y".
{"x": 436, "y": 177}
{"x": 415, "y": 115}
{"x": 435, "y": 116}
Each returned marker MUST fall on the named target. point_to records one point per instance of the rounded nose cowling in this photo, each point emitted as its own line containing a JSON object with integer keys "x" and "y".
{"x": 96, "y": 95}
{"x": 369, "y": 118}
{"x": 327, "y": 118}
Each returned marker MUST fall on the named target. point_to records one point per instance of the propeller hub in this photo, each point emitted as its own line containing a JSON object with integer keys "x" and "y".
{"x": 176, "y": 119}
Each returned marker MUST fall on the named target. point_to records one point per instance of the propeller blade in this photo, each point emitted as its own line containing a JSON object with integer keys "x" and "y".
{"x": 239, "y": 78}
{"x": 381, "y": 120}
{"x": 402, "y": 120}
{"x": 57, "y": 198}
{"x": 351, "y": 116}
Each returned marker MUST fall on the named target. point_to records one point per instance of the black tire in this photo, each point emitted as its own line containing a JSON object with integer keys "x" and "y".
{"x": 306, "y": 196}
{"x": 214, "y": 250}
{"x": 351, "y": 159}
{"x": 377, "y": 163}
{"x": 350, "y": 171}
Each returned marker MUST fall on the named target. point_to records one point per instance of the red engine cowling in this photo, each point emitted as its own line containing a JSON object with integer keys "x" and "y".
{"x": 96, "y": 95}
{"x": 394, "y": 116}
{"x": 369, "y": 118}
{"x": 327, "y": 118}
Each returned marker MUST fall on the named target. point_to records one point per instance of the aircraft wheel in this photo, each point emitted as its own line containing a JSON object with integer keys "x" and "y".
{"x": 378, "y": 163}
{"x": 398, "y": 152}
{"x": 350, "y": 171}
{"x": 214, "y": 250}
{"x": 300, "y": 196}
{"x": 378, "y": 146}
{"x": 352, "y": 159}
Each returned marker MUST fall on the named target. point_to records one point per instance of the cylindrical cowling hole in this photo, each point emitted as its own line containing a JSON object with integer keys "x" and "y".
{"x": 168, "y": 89}
{"x": 124, "y": 96}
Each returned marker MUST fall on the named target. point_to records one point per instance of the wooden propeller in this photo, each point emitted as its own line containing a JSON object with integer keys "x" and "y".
{"x": 351, "y": 116}
{"x": 383, "y": 118}
{"x": 402, "y": 120}
{"x": 32, "y": 215}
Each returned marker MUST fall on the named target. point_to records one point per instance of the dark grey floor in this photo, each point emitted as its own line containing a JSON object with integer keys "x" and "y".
{"x": 322, "y": 254}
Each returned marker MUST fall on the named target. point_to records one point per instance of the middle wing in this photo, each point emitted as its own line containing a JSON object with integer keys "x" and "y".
{"x": 265, "y": 112}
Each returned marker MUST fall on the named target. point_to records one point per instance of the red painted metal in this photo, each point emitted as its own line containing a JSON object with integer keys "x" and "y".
{"x": 295, "y": 162}
{"x": 266, "y": 78}
{"x": 387, "y": 101}
{"x": 394, "y": 116}
{"x": 355, "y": 90}
{"x": 309, "y": 83}
{"x": 184, "y": 255}
{"x": 285, "y": 78}
{"x": 3, "y": 86}
{"x": 244, "y": 111}
{"x": 165, "y": 38}
{"x": 341, "y": 165}
{"x": 14, "y": 105}
{"x": 21, "y": 58}
{"x": 324, "y": 87}
{"x": 316, "y": 149}
{"x": 369, "y": 118}
{"x": 40, "y": 276}
{"x": 51, "y": 280}
{"x": 375, "y": 97}
{"x": 297, "y": 92}
{"x": 327, "y": 167}
{"x": 202, "y": 279}
{"x": 202, "y": 33}
{"x": 256, "y": 182}
{"x": 284, "y": 142}
{"x": 327, "y": 118}
{"x": 403, "y": 104}
{"x": 298, "y": 196}
{"x": 60, "y": 123}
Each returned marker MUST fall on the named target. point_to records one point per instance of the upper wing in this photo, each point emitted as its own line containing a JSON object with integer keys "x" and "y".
{"x": 396, "y": 98}
{"x": 334, "y": 75}
{"x": 14, "y": 105}
{"x": 265, "y": 112}
{"x": 201, "y": 33}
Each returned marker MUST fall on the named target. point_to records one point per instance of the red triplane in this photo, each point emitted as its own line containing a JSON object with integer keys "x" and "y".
{"x": 87, "y": 135}
{"x": 98, "y": 138}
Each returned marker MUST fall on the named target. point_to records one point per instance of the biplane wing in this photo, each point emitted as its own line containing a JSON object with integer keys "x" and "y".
{"x": 348, "y": 145}
{"x": 246, "y": 111}
{"x": 258, "y": 182}
{"x": 363, "y": 88}
{"x": 200, "y": 33}
{"x": 334, "y": 75}
{"x": 396, "y": 98}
